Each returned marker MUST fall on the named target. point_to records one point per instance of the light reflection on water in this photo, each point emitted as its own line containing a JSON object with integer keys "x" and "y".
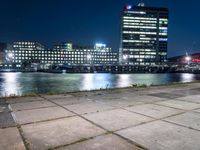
{"x": 10, "y": 85}
{"x": 186, "y": 77}
{"x": 25, "y": 83}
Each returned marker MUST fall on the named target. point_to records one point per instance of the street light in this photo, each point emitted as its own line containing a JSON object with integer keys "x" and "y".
{"x": 188, "y": 58}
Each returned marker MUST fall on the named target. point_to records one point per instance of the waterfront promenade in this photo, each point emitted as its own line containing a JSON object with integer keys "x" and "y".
{"x": 155, "y": 118}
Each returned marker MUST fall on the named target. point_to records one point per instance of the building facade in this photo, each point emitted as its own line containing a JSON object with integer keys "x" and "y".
{"x": 144, "y": 35}
{"x": 3, "y": 47}
{"x": 62, "y": 53}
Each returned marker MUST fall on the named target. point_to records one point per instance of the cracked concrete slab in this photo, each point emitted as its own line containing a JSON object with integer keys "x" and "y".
{"x": 179, "y": 104}
{"x": 154, "y": 111}
{"x": 113, "y": 120}
{"x": 160, "y": 135}
{"x": 51, "y": 134}
{"x": 104, "y": 142}
{"x": 189, "y": 119}
{"x": 42, "y": 114}
{"x": 10, "y": 139}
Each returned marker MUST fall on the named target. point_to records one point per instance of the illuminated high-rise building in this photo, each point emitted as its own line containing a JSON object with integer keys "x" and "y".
{"x": 144, "y": 35}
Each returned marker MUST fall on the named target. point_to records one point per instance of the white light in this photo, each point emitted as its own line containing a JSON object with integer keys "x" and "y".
{"x": 100, "y": 45}
{"x": 10, "y": 55}
{"x": 125, "y": 57}
{"x": 128, "y": 7}
{"x": 89, "y": 57}
{"x": 188, "y": 58}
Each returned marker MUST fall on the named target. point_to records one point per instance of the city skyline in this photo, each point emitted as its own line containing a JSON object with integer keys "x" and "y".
{"x": 88, "y": 22}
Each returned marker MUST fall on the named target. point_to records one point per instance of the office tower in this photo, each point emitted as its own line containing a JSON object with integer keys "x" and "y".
{"x": 144, "y": 35}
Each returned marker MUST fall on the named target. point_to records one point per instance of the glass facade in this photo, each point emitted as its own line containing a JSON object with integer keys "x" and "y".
{"x": 144, "y": 35}
{"x": 63, "y": 53}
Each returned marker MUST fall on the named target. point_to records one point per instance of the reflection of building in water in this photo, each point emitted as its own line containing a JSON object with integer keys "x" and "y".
{"x": 124, "y": 80}
{"x": 10, "y": 86}
{"x": 87, "y": 83}
{"x": 187, "y": 77}
{"x": 96, "y": 81}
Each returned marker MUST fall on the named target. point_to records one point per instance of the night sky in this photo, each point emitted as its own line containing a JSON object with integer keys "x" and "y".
{"x": 88, "y": 21}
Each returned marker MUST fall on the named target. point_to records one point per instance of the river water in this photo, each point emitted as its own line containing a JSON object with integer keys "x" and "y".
{"x": 27, "y": 83}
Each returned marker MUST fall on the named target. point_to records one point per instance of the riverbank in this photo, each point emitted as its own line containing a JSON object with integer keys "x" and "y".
{"x": 158, "y": 117}
{"x": 134, "y": 87}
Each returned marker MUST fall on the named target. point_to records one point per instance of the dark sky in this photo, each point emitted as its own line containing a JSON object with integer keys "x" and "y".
{"x": 89, "y": 21}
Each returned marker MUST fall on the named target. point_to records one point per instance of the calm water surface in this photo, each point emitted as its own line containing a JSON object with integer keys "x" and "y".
{"x": 26, "y": 83}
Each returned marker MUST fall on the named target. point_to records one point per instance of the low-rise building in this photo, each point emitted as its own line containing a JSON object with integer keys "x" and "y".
{"x": 62, "y": 53}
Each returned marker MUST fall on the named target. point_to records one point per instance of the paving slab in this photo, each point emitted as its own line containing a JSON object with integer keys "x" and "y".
{"x": 189, "y": 119}
{"x": 30, "y": 105}
{"x": 42, "y": 114}
{"x": 180, "y": 104}
{"x": 167, "y": 95}
{"x": 191, "y": 98}
{"x": 88, "y": 107}
{"x": 187, "y": 92}
{"x": 23, "y": 99}
{"x": 10, "y": 139}
{"x": 117, "y": 119}
{"x": 153, "y": 110}
{"x": 2, "y": 108}
{"x": 70, "y": 101}
{"x": 6, "y": 120}
{"x": 160, "y": 135}
{"x": 51, "y": 134}
{"x": 130, "y": 101}
{"x": 149, "y": 99}
{"x": 60, "y": 96}
{"x": 120, "y": 102}
{"x": 143, "y": 98}
{"x": 104, "y": 142}
{"x": 197, "y": 110}
{"x": 2, "y": 101}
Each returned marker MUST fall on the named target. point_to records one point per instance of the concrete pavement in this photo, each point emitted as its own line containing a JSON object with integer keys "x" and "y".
{"x": 155, "y": 118}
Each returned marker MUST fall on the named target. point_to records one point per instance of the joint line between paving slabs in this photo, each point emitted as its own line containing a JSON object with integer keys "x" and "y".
{"x": 26, "y": 144}
{"x": 107, "y": 131}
